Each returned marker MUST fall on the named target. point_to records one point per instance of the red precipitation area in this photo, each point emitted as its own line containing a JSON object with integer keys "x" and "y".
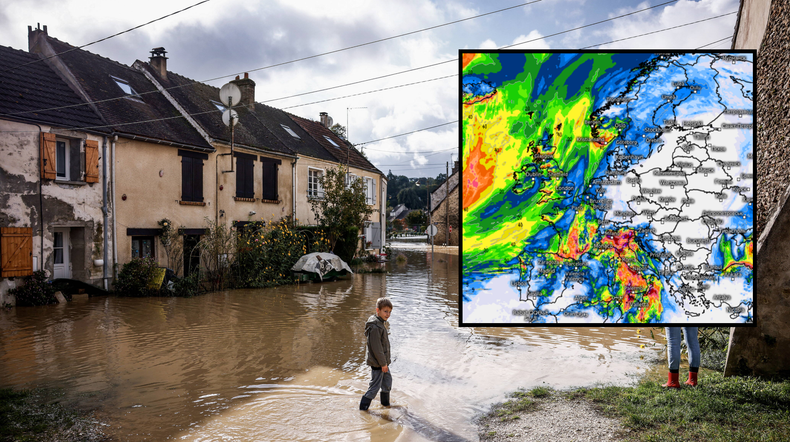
{"x": 478, "y": 178}
{"x": 571, "y": 249}
{"x": 467, "y": 58}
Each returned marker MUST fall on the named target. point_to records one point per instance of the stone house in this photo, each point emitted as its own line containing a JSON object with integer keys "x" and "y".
{"x": 445, "y": 213}
{"x": 53, "y": 201}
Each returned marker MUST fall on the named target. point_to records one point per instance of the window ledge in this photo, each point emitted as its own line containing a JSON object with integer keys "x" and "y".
{"x": 71, "y": 183}
{"x": 249, "y": 200}
{"x": 192, "y": 203}
{"x": 271, "y": 201}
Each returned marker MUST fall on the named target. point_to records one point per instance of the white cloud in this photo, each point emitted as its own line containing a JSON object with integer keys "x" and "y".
{"x": 535, "y": 41}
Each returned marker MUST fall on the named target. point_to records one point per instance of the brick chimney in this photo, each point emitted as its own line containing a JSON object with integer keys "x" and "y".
{"x": 158, "y": 61}
{"x": 35, "y": 35}
{"x": 247, "y": 88}
{"x": 325, "y": 119}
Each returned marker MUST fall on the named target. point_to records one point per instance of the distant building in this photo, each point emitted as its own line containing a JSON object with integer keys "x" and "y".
{"x": 445, "y": 213}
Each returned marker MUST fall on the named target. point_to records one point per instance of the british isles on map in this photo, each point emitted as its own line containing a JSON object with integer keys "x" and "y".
{"x": 607, "y": 187}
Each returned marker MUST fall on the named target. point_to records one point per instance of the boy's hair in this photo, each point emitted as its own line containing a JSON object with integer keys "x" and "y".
{"x": 383, "y": 302}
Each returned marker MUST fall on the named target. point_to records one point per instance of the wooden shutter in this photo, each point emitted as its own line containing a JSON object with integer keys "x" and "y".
{"x": 49, "y": 149}
{"x": 197, "y": 179}
{"x": 186, "y": 179}
{"x": 270, "y": 168}
{"x": 245, "y": 178}
{"x": 91, "y": 161}
{"x": 16, "y": 251}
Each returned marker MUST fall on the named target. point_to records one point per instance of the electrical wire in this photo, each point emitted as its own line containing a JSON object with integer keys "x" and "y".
{"x": 454, "y": 60}
{"x": 407, "y": 133}
{"x": 717, "y": 41}
{"x": 111, "y": 36}
{"x": 661, "y": 30}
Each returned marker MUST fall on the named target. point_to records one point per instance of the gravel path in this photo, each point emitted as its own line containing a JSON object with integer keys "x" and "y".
{"x": 554, "y": 418}
{"x": 773, "y": 133}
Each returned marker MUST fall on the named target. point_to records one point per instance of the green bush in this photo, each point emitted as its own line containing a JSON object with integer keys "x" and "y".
{"x": 134, "y": 277}
{"x": 36, "y": 291}
{"x": 187, "y": 287}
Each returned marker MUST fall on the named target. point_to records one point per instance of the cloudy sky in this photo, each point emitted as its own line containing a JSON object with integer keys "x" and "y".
{"x": 221, "y": 38}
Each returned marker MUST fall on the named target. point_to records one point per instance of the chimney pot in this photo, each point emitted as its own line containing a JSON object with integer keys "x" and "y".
{"x": 45, "y": 29}
{"x": 246, "y": 75}
{"x": 237, "y": 77}
{"x": 159, "y": 62}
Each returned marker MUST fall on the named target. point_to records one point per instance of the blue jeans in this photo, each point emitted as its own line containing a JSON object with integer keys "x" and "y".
{"x": 673, "y": 346}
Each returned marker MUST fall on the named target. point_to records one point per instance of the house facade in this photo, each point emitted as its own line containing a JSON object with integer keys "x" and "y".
{"x": 445, "y": 212}
{"x": 53, "y": 201}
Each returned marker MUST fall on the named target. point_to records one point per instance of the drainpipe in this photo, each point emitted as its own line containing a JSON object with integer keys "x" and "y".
{"x": 40, "y": 197}
{"x": 216, "y": 187}
{"x": 104, "y": 207}
{"x": 293, "y": 191}
{"x": 114, "y": 219}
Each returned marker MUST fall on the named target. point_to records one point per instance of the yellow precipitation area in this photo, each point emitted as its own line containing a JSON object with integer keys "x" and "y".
{"x": 509, "y": 154}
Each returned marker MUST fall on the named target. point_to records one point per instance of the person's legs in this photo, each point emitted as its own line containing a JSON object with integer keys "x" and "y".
{"x": 376, "y": 378}
{"x": 386, "y": 386}
{"x": 673, "y": 355}
{"x": 690, "y": 334}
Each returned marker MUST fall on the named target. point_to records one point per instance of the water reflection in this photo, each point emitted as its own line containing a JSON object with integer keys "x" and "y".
{"x": 287, "y": 363}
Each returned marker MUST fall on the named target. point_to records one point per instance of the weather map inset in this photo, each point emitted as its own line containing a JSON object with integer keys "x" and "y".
{"x": 607, "y": 187}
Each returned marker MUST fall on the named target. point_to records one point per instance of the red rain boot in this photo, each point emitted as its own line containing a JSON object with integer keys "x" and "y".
{"x": 673, "y": 381}
{"x": 692, "y": 379}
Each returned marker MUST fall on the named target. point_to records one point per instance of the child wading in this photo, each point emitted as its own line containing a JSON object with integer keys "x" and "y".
{"x": 378, "y": 354}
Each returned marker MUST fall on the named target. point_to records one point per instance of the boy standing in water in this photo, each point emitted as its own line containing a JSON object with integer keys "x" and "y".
{"x": 378, "y": 354}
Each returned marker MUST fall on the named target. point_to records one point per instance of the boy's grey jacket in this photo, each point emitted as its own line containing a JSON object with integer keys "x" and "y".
{"x": 377, "y": 332}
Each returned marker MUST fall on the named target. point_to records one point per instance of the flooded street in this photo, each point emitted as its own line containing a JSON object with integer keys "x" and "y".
{"x": 288, "y": 363}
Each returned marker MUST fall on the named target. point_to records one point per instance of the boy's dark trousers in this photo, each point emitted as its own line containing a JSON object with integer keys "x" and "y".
{"x": 379, "y": 380}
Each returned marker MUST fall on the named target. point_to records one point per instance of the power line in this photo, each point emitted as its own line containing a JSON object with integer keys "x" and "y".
{"x": 407, "y": 133}
{"x": 373, "y": 91}
{"x": 111, "y": 36}
{"x": 661, "y": 30}
{"x": 355, "y": 82}
{"x": 588, "y": 25}
{"x": 717, "y": 41}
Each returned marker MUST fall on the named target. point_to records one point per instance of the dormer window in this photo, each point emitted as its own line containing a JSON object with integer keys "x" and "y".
{"x": 288, "y": 129}
{"x": 219, "y": 105}
{"x": 330, "y": 140}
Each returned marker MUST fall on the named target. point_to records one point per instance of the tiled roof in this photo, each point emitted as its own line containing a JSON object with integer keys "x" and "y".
{"x": 151, "y": 114}
{"x": 35, "y": 86}
{"x": 305, "y": 145}
{"x": 342, "y": 150}
{"x": 196, "y": 98}
{"x": 438, "y": 195}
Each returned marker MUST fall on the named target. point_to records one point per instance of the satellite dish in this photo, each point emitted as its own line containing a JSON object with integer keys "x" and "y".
{"x": 229, "y": 95}
{"x": 331, "y": 122}
{"x": 228, "y": 114}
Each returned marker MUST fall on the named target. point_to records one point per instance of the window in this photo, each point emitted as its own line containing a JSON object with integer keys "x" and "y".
{"x": 270, "y": 168}
{"x": 288, "y": 129}
{"x": 192, "y": 175}
{"x": 350, "y": 178}
{"x": 314, "y": 188}
{"x": 245, "y": 177}
{"x": 370, "y": 191}
{"x": 125, "y": 86}
{"x": 143, "y": 247}
{"x": 330, "y": 140}
{"x": 62, "y": 160}
{"x": 219, "y": 105}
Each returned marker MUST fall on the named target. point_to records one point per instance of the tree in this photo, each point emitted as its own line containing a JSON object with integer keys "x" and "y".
{"x": 410, "y": 198}
{"x": 339, "y": 130}
{"x": 416, "y": 217}
{"x": 342, "y": 206}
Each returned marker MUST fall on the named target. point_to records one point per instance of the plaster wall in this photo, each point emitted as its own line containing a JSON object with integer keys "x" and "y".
{"x": 439, "y": 217}
{"x": 73, "y": 205}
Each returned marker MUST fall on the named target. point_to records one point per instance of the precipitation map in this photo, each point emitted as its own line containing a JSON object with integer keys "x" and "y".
{"x": 607, "y": 188}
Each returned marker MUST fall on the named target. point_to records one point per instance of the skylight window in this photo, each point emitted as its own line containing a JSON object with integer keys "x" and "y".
{"x": 219, "y": 105}
{"x": 330, "y": 140}
{"x": 125, "y": 86}
{"x": 288, "y": 129}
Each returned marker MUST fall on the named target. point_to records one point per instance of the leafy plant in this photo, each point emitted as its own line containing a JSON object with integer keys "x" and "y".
{"x": 172, "y": 244}
{"x": 343, "y": 206}
{"x": 36, "y": 291}
{"x": 134, "y": 277}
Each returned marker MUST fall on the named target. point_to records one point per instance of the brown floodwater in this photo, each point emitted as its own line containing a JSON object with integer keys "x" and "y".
{"x": 288, "y": 363}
